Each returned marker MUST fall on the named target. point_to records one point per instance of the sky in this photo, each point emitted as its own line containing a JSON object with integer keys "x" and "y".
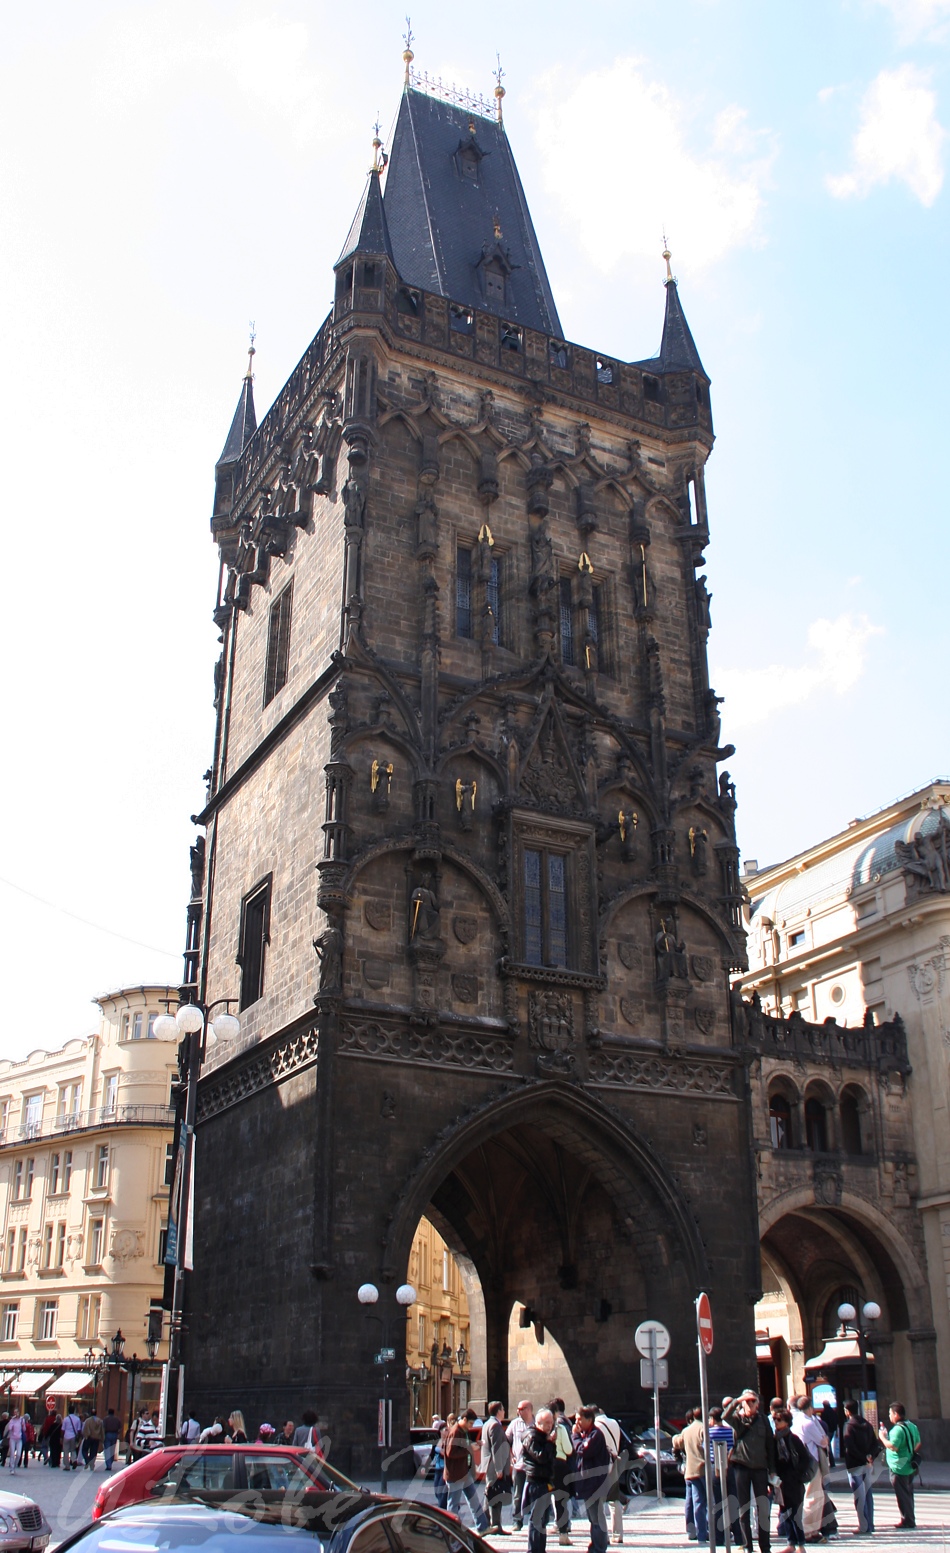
{"x": 171, "y": 171}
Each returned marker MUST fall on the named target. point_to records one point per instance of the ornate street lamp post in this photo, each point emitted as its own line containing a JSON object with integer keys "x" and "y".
{"x": 368, "y": 1294}
{"x": 848, "y": 1316}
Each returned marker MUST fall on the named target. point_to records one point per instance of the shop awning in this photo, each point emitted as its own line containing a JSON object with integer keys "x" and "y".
{"x": 838, "y": 1350}
{"x": 71, "y": 1384}
{"x": 29, "y": 1382}
{"x": 763, "y": 1351}
{"x": 6, "y": 1379}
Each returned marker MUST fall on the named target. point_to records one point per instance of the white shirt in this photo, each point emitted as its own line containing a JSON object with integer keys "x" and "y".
{"x": 809, "y": 1431}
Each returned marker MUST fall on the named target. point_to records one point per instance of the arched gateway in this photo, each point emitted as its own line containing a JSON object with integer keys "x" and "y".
{"x": 470, "y": 872}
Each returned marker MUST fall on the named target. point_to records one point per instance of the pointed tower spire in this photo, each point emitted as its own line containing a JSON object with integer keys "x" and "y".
{"x": 369, "y": 232}
{"x": 244, "y": 424}
{"x": 678, "y": 351}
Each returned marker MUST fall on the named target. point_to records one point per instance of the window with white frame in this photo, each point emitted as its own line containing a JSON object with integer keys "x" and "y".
{"x": 97, "y": 1241}
{"x": 150, "y": 1027}
{"x": 90, "y": 1307}
{"x": 137, "y": 1026}
{"x": 47, "y": 1320}
{"x": 110, "y": 1091}
{"x": 124, "y": 1028}
{"x": 9, "y": 1316}
{"x": 21, "y": 1250}
{"x": 18, "y": 1179}
{"x": 47, "y": 1245}
{"x": 4, "y": 1117}
{"x": 422, "y": 1334}
{"x": 59, "y": 1254}
{"x": 9, "y": 1259}
{"x": 33, "y": 1113}
{"x": 102, "y": 1165}
{"x": 55, "y": 1171}
{"x": 169, "y": 1175}
{"x": 67, "y": 1169}
{"x": 446, "y": 1284}
{"x": 67, "y": 1106}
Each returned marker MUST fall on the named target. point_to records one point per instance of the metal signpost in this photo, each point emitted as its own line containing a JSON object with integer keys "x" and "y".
{"x": 653, "y": 1342}
{"x": 704, "y": 1347}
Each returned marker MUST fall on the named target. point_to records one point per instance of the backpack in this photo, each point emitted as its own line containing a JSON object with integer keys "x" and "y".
{"x": 569, "y": 1458}
{"x": 916, "y": 1455}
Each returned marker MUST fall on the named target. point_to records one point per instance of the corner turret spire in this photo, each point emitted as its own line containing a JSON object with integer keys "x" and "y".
{"x": 369, "y": 231}
{"x": 678, "y": 351}
{"x": 244, "y": 423}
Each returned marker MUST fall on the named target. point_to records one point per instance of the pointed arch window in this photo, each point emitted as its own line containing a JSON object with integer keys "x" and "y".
{"x": 545, "y": 907}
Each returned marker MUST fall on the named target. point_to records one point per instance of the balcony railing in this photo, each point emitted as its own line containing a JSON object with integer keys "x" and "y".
{"x": 85, "y": 1121}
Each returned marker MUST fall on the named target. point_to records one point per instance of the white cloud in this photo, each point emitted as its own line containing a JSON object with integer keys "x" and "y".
{"x": 899, "y": 137}
{"x": 637, "y": 154}
{"x": 835, "y": 660}
{"x": 919, "y": 18}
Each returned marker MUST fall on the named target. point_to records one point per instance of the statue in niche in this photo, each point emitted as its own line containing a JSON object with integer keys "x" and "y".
{"x": 927, "y": 857}
{"x": 543, "y": 571}
{"x": 424, "y": 912}
{"x": 427, "y": 517}
{"x": 698, "y": 849}
{"x": 329, "y": 948}
{"x": 197, "y": 860}
{"x": 670, "y": 955}
{"x": 727, "y": 789}
{"x": 354, "y": 504}
{"x": 703, "y": 601}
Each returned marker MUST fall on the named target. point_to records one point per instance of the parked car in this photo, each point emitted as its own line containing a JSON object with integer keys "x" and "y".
{"x": 275, "y": 1522}
{"x": 22, "y": 1524}
{"x": 641, "y": 1474}
{"x": 175, "y": 1469}
{"x": 422, "y": 1441}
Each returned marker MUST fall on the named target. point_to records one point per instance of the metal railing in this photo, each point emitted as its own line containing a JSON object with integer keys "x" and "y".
{"x": 83, "y": 1121}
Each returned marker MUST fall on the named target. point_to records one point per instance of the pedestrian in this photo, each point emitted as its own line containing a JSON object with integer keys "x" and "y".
{"x": 237, "y": 1428}
{"x": 692, "y": 1442}
{"x": 438, "y": 1460}
{"x": 754, "y": 1459}
{"x": 190, "y": 1430}
{"x": 496, "y": 1463}
{"x": 537, "y": 1502}
{"x": 13, "y": 1440}
{"x": 266, "y": 1435}
{"x": 518, "y": 1429}
{"x": 93, "y": 1438}
{"x": 287, "y": 1433}
{"x": 564, "y": 1466}
{"x": 55, "y": 1438}
{"x": 618, "y": 1444}
{"x": 859, "y": 1446}
{"x": 111, "y": 1429}
{"x": 591, "y": 1474}
{"x": 725, "y": 1494}
{"x": 810, "y": 1431}
{"x": 50, "y": 1422}
{"x": 307, "y": 1434}
{"x": 461, "y": 1465}
{"x": 901, "y": 1441}
{"x": 29, "y": 1438}
{"x": 143, "y": 1437}
{"x": 828, "y": 1418}
{"x": 216, "y": 1432}
{"x": 793, "y": 1465}
{"x": 775, "y": 1406}
{"x": 72, "y": 1435}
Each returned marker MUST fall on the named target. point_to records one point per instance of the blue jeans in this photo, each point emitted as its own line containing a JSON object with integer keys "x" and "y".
{"x": 537, "y": 1507}
{"x": 696, "y": 1499}
{"x": 470, "y": 1489}
{"x": 859, "y": 1481}
{"x": 597, "y": 1515}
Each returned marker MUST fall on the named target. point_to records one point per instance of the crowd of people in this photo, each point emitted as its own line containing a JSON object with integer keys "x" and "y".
{"x": 551, "y": 1466}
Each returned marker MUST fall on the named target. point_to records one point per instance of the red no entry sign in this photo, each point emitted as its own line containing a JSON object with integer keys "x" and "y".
{"x": 704, "y": 1323}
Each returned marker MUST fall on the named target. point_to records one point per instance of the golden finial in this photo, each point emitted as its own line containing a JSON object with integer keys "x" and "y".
{"x": 378, "y": 162}
{"x": 407, "y": 54}
{"x": 499, "y": 89}
{"x": 251, "y": 353}
{"x": 667, "y": 256}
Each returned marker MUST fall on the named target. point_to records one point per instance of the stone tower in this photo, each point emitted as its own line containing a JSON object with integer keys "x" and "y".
{"x": 470, "y": 872}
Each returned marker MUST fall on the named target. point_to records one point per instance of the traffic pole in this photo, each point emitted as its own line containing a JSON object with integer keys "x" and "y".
{"x": 656, "y": 1416}
{"x": 707, "y": 1454}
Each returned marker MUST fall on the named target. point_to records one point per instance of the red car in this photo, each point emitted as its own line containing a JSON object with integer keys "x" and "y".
{"x": 173, "y": 1469}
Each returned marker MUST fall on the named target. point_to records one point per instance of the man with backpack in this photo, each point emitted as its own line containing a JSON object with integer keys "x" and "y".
{"x": 901, "y": 1443}
{"x": 859, "y": 1446}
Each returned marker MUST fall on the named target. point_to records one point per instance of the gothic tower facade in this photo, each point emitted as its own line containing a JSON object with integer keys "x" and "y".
{"x": 470, "y": 871}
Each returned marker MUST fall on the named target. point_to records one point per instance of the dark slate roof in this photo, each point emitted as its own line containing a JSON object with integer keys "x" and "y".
{"x": 243, "y": 426}
{"x": 368, "y": 232}
{"x": 440, "y": 221}
{"x": 677, "y": 351}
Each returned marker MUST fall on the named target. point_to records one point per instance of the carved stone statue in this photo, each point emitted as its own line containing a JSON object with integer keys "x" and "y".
{"x": 329, "y": 948}
{"x": 354, "y": 504}
{"x": 928, "y": 857}
{"x": 543, "y": 570}
{"x": 197, "y": 858}
{"x": 427, "y": 515}
{"x": 424, "y": 913}
{"x": 698, "y": 849}
{"x": 727, "y": 789}
{"x": 703, "y": 601}
{"x": 671, "y": 958}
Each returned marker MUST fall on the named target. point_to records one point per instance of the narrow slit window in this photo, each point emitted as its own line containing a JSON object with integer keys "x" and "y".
{"x": 567, "y": 621}
{"x": 255, "y": 936}
{"x": 278, "y": 644}
{"x": 463, "y": 591}
{"x": 533, "y": 923}
{"x": 493, "y": 592}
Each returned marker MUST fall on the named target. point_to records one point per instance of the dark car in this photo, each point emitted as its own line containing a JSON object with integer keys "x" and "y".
{"x": 274, "y": 1522}
{"x": 640, "y": 1477}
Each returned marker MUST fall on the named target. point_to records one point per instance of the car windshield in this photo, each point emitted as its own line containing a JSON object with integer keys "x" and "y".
{"x": 331, "y": 1475}
{"x": 211, "y": 1530}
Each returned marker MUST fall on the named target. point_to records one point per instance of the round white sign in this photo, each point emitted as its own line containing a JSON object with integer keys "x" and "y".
{"x": 644, "y": 1338}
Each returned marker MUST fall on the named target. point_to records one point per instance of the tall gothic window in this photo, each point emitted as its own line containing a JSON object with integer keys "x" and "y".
{"x": 278, "y": 644}
{"x": 463, "y": 591}
{"x": 545, "y": 907}
{"x": 255, "y": 936}
{"x": 493, "y": 592}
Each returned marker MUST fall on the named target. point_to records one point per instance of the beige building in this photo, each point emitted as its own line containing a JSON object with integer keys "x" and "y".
{"x": 851, "y": 933}
{"x": 85, "y": 1155}
{"x": 438, "y": 1328}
